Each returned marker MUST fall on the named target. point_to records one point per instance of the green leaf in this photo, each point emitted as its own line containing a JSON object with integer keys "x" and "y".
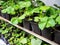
{"x": 58, "y": 19}
{"x": 58, "y": 11}
{"x": 11, "y": 38}
{"x": 4, "y": 11}
{"x": 23, "y": 41}
{"x": 1, "y": 2}
{"x": 14, "y": 20}
{"x": 36, "y": 42}
{"x": 36, "y": 19}
{"x": 13, "y": 12}
{"x": 16, "y": 7}
{"x": 44, "y": 19}
{"x": 42, "y": 22}
{"x": 5, "y": 31}
{"x": 52, "y": 11}
{"x": 19, "y": 20}
{"x": 43, "y": 8}
{"x": 42, "y": 25}
{"x": 27, "y": 13}
{"x": 53, "y": 16}
{"x": 50, "y": 23}
{"x": 1, "y": 30}
{"x": 28, "y": 4}
{"x": 24, "y": 4}
{"x": 33, "y": 42}
{"x": 22, "y": 16}
{"x": 10, "y": 10}
{"x": 36, "y": 10}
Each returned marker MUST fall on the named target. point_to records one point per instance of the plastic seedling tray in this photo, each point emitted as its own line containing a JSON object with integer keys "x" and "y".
{"x": 30, "y": 32}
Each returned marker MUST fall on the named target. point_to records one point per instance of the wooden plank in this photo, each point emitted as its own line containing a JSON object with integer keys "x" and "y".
{"x": 30, "y": 32}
